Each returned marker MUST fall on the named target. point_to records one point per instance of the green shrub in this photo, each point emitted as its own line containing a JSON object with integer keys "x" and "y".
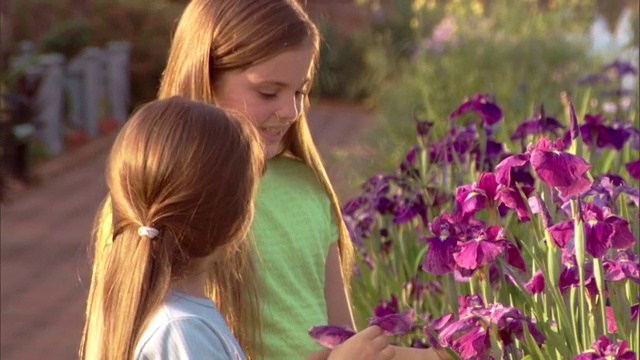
{"x": 518, "y": 54}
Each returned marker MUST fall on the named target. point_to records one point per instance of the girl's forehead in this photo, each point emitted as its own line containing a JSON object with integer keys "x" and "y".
{"x": 292, "y": 67}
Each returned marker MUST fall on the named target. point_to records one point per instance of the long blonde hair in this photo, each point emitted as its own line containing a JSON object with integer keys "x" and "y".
{"x": 215, "y": 36}
{"x": 194, "y": 180}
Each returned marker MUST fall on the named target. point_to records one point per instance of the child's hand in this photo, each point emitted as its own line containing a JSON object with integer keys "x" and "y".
{"x": 369, "y": 344}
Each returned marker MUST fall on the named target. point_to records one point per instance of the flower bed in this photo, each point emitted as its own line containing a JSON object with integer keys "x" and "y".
{"x": 529, "y": 253}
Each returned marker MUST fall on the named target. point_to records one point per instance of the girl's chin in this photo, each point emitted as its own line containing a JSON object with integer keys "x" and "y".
{"x": 273, "y": 150}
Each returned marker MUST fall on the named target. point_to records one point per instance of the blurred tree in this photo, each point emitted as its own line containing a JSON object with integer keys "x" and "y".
{"x": 6, "y": 32}
{"x": 612, "y": 11}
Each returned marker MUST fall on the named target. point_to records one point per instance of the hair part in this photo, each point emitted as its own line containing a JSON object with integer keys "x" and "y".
{"x": 200, "y": 199}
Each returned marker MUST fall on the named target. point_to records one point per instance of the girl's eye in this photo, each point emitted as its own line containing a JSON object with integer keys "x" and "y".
{"x": 268, "y": 95}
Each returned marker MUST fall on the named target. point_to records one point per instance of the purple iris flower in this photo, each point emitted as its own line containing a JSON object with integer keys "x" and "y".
{"x": 506, "y": 168}
{"x": 608, "y": 188}
{"x": 513, "y": 255}
{"x": 597, "y": 231}
{"x": 625, "y": 265}
{"x": 386, "y": 307}
{"x": 354, "y": 205}
{"x": 604, "y": 230}
{"x": 594, "y": 130}
{"x": 539, "y": 124}
{"x": 407, "y": 209}
{"x": 435, "y": 327}
{"x": 574, "y": 130}
{"x": 604, "y": 348}
{"x": 633, "y": 167}
{"x": 592, "y": 79}
{"x": 395, "y": 324}
{"x": 469, "y": 303}
{"x": 330, "y": 336}
{"x": 509, "y": 323}
{"x": 466, "y": 335}
{"x": 622, "y": 237}
{"x": 564, "y": 171}
{"x": 407, "y": 167}
{"x": 474, "y": 197}
{"x": 536, "y": 284}
{"x": 481, "y": 250}
{"x": 511, "y": 198}
{"x": 569, "y": 278}
{"x": 634, "y": 136}
{"x": 480, "y": 104}
{"x": 473, "y": 345}
{"x": 620, "y": 68}
{"x": 423, "y": 127}
{"x": 439, "y": 257}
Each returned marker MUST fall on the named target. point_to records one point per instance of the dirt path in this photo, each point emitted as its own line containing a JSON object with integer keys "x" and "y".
{"x": 45, "y": 233}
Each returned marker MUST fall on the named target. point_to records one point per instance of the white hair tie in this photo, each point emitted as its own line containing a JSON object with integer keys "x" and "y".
{"x": 148, "y": 232}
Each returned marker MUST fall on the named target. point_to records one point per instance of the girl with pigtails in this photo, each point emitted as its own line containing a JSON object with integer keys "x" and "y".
{"x": 182, "y": 177}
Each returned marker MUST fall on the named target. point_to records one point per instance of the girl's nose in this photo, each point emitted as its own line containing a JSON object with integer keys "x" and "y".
{"x": 290, "y": 109}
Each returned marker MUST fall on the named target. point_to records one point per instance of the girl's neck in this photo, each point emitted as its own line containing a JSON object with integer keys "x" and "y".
{"x": 193, "y": 284}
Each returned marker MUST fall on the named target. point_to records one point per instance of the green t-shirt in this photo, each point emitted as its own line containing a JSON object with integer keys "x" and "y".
{"x": 293, "y": 228}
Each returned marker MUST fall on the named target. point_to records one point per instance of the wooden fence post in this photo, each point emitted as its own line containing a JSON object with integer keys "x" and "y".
{"x": 50, "y": 101}
{"x": 118, "y": 79}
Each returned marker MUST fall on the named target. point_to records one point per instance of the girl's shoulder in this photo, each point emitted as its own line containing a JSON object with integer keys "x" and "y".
{"x": 183, "y": 328}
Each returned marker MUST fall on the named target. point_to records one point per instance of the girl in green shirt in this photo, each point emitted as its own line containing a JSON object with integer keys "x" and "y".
{"x": 258, "y": 57}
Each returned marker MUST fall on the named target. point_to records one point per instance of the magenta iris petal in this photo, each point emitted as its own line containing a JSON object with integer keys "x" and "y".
{"x": 472, "y": 345}
{"x": 557, "y": 169}
{"x": 456, "y": 327}
{"x": 604, "y": 348}
{"x": 489, "y": 112}
{"x": 562, "y": 233}
{"x": 622, "y": 237}
{"x": 487, "y": 182}
{"x": 597, "y": 235}
{"x": 442, "y": 321}
{"x": 536, "y": 284}
{"x": 633, "y": 168}
{"x": 512, "y": 199}
{"x": 395, "y": 324}
{"x": 439, "y": 258}
{"x": 513, "y": 256}
{"x": 386, "y": 307}
{"x": 606, "y": 136}
{"x": 580, "y": 185}
{"x": 624, "y": 266}
{"x": 330, "y": 336}
{"x": 503, "y": 169}
{"x": 475, "y": 253}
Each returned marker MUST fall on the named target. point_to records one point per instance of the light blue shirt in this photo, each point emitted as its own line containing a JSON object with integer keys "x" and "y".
{"x": 187, "y": 327}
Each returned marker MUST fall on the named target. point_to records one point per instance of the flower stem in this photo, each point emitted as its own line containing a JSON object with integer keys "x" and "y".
{"x": 485, "y": 283}
{"x": 598, "y": 274}
{"x": 579, "y": 239}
